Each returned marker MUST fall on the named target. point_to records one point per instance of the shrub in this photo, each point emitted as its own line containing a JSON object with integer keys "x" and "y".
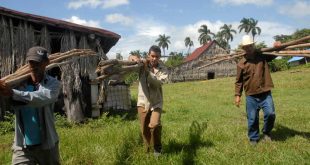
{"x": 279, "y": 65}
{"x": 62, "y": 122}
{"x": 131, "y": 77}
{"x": 7, "y": 125}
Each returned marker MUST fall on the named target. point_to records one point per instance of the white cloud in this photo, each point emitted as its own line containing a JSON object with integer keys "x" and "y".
{"x": 244, "y": 2}
{"x": 77, "y": 20}
{"x": 269, "y": 30}
{"x": 298, "y": 9}
{"x": 147, "y": 32}
{"x": 151, "y": 30}
{"x": 119, "y": 18}
{"x": 75, "y": 4}
{"x": 114, "y": 3}
{"x": 80, "y": 3}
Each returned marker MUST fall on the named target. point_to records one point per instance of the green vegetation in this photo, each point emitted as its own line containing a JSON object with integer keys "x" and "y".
{"x": 279, "y": 65}
{"x": 174, "y": 59}
{"x": 200, "y": 126}
{"x": 131, "y": 77}
{"x": 296, "y": 35}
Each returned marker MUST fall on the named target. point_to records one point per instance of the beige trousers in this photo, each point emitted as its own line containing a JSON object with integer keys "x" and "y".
{"x": 151, "y": 128}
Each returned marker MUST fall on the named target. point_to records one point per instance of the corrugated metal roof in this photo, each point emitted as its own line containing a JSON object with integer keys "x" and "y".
{"x": 295, "y": 59}
{"x": 57, "y": 23}
{"x": 198, "y": 51}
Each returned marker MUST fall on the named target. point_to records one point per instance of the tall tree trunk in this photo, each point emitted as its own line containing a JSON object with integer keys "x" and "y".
{"x": 71, "y": 81}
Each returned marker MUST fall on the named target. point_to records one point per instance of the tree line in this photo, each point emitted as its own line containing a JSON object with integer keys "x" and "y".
{"x": 224, "y": 36}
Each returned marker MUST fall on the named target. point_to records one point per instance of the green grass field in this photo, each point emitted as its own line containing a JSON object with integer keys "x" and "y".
{"x": 200, "y": 126}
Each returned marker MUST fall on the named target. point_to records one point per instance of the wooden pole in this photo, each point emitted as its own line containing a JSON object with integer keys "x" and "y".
{"x": 298, "y": 46}
{"x": 284, "y": 45}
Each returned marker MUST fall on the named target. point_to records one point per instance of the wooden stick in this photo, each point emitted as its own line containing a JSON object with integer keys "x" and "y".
{"x": 102, "y": 77}
{"x": 24, "y": 72}
{"x": 224, "y": 59}
{"x": 285, "y": 55}
{"x": 16, "y": 80}
{"x": 82, "y": 53}
{"x": 298, "y": 46}
{"x": 295, "y": 52}
{"x": 115, "y": 62}
{"x": 284, "y": 45}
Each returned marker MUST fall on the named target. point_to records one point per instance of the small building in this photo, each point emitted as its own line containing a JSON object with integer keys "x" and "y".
{"x": 19, "y": 31}
{"x": 195, "y": 66}
{"x": 295, "y": 61}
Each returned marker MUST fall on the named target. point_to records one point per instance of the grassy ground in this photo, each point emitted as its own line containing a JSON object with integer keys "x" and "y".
{"x": 200, "y": 126}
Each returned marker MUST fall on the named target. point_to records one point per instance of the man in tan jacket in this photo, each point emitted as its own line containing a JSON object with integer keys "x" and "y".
{"x": 150, "y": 99}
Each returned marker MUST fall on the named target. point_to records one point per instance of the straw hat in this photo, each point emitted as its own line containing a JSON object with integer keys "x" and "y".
{"x": 246, "y": 40}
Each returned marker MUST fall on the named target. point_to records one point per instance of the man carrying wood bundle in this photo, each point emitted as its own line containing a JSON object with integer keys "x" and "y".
{"x": 254, "y": 77}
{"x": 36, "y": 139}
{"x": 150, "y": 99}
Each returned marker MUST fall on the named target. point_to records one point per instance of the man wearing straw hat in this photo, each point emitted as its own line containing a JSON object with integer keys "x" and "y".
{"x": 254, "y": 77}
{"x": 36, "y": 139}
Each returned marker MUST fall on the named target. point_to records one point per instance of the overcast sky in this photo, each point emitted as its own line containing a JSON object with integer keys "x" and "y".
{"x": 139, "y": 22}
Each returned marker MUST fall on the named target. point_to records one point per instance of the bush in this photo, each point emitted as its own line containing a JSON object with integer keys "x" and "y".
{"x": 131, "y": 77}
{"x": 61, "y": 121}
{"x": 279, "y": 65}
{"x": 7, "y": 125}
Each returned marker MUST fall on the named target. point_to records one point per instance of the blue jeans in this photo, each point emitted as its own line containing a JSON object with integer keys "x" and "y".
{"x": 253, "y": 104}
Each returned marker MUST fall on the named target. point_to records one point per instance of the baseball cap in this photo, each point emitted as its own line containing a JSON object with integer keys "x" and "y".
{"x": 37, "y": 54}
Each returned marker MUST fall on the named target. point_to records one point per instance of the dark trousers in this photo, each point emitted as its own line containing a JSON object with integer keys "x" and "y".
{"x": 253, "y": 105}
{"x": 34, "y": 156}
{"x": 150, "y": 128}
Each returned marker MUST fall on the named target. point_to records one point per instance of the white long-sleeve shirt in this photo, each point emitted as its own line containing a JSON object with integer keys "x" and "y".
{"x": 43, "y": 99}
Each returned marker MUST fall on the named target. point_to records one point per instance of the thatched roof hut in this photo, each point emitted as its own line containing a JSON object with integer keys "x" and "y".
{"x": 19, "y": 31}
{"x": 192, "y": 67}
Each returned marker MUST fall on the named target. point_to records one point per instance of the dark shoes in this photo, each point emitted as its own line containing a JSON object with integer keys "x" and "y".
{"x": 253, "y": 142}
{"x": 157, "y": 154}
{"x": 267, "y": 138}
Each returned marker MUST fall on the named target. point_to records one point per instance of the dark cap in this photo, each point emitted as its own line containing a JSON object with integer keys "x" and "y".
{"x": 37, "y": 53}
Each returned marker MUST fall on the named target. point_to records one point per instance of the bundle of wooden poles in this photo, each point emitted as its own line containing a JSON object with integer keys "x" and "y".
{"x": 292, "y": 48}
{"x": 109, "y": 67}
{"x": 56, "y": 60}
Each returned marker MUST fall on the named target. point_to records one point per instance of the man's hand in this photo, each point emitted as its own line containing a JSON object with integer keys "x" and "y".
{"x": 139, "y": 60}
{"x": 277, "y": 44}
{"x": 5, "y": 90}
{"x": 134, "y": 58}
{"x": 237, "y": 101}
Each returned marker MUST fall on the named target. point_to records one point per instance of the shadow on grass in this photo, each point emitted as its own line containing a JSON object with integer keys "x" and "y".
{"x": 282, "y": 133}
{"x": 123, "y": 155}
{"x": 195, "y": 142}
{"x": 129, "y": 115}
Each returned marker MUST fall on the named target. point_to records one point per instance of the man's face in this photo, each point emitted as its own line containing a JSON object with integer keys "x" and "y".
{"x": 154, "y": 58}
{"x": 249, "y": 49}
{"x": 37, "y": 70}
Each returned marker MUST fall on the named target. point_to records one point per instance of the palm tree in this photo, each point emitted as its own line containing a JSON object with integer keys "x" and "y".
{"x": 163, "y": 42}
{"x": 254, "y": 29}
{"x": 249, "y": 26}
{"x": 188, "y": 43}
{"x": 245, "y": 25}
{"x": 144, "y": 54}
{"x": 226, "y": 32}
{"x": 136, "y": 53}
{"x": 119, "y": 56}
{"x": 205, "y": 34}
{"x": 219, "y": 37}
